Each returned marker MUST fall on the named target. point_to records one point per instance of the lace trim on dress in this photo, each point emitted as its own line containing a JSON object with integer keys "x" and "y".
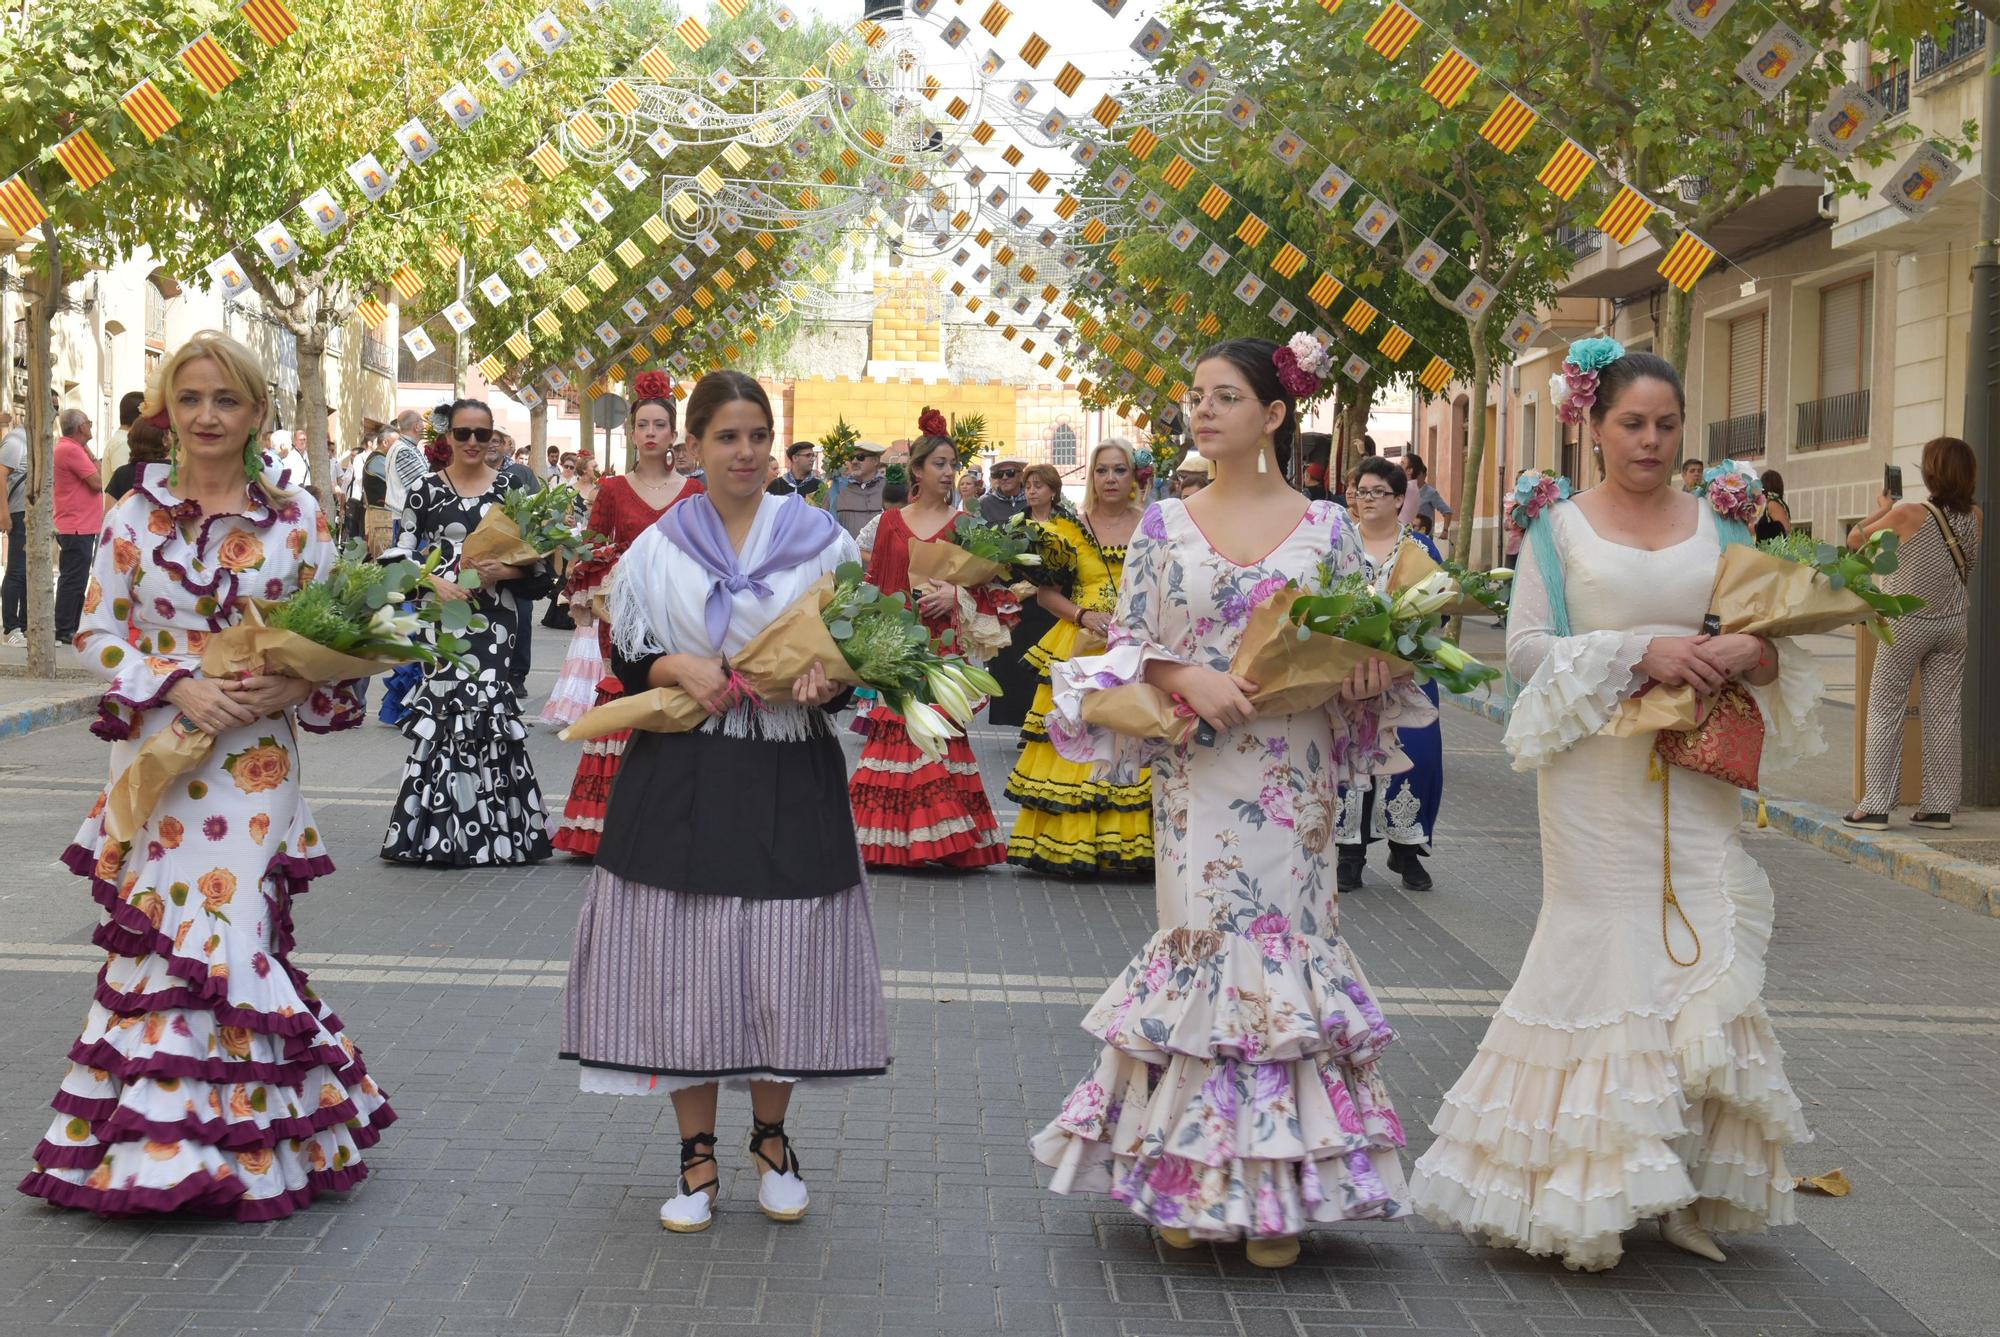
{"x": 1575, "y": 691}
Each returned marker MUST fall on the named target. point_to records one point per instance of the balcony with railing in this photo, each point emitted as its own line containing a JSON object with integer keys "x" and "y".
{"x": 1837, "y": 420}
{"x": 1579, "y": 241}
{"x": 377, "y": 355}
{"x": 1736, "y": 438}
{"x": 1892, "y": 90}
{"x": 1962, "y": 44}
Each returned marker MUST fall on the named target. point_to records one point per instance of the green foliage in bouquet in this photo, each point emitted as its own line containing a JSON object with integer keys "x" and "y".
{"x": 546, "y": 520}
{"x": 888, "y": 647}
{"x": 837, "y": 447}
{"x": 1852, "y": 569}
{"x": 1009, "y": 543}
{"x": 1489, "y": 588}
{"x": 1411, "y": 627}
{"x": 359, "y": 610}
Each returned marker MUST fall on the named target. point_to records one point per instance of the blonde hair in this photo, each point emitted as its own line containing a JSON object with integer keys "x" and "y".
{"x": 240, "y": 368}
{"x": 1123, "y": 447}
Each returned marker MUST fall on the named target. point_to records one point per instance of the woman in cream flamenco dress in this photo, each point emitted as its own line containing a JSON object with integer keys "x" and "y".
{"x": 1631, "y": 1072}
{"x": 1236, "y": 1095}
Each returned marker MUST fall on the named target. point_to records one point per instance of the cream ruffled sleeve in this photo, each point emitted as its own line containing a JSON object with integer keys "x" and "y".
{"x": 1573, "y": 684}
{"x": 1790, "y": 706}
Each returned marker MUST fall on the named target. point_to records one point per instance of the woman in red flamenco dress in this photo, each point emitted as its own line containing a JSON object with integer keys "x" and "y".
{"x": 625, "y": 507}
{"x": 909, "y": 811}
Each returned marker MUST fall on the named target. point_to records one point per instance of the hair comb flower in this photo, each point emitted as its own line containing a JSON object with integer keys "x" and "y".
{"x": 1302, "y": 365}
{"x": 931, "y": 422}
{"x": 1574, "y": 388}
{"x": 653, "y": 384}
{"x": 1734, "y": 491}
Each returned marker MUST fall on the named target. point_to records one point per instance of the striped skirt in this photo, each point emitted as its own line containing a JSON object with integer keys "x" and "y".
{"x": 710, "y": 987}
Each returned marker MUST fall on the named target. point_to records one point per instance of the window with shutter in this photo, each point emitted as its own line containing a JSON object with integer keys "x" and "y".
{"x": 1528, "y": 432}
{"x": 1746, "y": 365}
{"x": 1844, "y": 311}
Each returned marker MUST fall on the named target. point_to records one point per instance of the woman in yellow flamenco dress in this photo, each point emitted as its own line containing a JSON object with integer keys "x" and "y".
{"x": 1071, "y": 825}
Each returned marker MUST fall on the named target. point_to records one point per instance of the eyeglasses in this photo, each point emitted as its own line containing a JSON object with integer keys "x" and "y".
{"x": 1223, "y": 400}
{"x": 1006, "y": 473}
{"x": 480, "y": 434}
{"x": 1372, "y": 494}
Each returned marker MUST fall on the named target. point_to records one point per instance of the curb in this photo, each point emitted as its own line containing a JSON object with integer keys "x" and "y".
{"x": 1912, "y": 863}
{"x": 43, "y": 712}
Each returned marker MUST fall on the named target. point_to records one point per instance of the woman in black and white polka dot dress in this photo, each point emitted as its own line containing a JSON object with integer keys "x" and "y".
{"x": 469, "y": 795}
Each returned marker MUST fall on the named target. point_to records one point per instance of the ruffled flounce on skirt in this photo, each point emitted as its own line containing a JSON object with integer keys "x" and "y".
{"x": 910, "y": 810}
{"x": 1236, "y": 1095}
{"x": 1555, "y": 1141}
{"x": 209, "y": 1077}
{"x": 590, "y": 791}
{"x": 1071, "y": 825}
{"x": 469, "y": 796}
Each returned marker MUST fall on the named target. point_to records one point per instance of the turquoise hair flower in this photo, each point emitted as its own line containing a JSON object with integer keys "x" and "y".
{"x": 1595, "y": 354}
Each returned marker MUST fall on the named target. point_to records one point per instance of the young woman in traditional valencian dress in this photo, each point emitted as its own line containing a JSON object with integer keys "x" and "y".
{"x": 725, "y": 933}
{"x": 209, "y": 1077}
{"x": 1070, "y": 824}
{"x": 469, "y": 795}
{"x": 911, "y": 811}
{"x": 1631, "y": 1072}
{"x": 627, "y": 506}
{"x": 1236, "y": 1095}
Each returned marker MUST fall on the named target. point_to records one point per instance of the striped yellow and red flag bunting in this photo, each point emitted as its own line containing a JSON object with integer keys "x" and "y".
{"x": 209, "y": 64}
{"x": 1068, "y": 80}
{"x": 1509, "y": 124}
{"x": 1567, "y": 168}
{"x": 490, "y": 367}
{"x": 1142, "y": 143}
{"x": 518, "y": 344}
{"x": 270, "y": 19}
{"x": 734, "y": 156}
{"x": 447, "y": 252}
{"x": 621, "y": 96}
{"x": 1450, "y": 77}
{"x": 709, "y": 179}
{"x": 628, "y": 253}
{"x": 603, "y": 276}
{"x": 1213, "y": 201}
{"x": 1436, "y": 375}
{"x": 1093, "y": 231}
{"x": 516, "y": 191}
{"x": 1359, "y": 316}
{"x": 1625, "y": 215}
{"x": 1179, "y": 172}
{"x": 1252, "y": 230}
{"x": 1067, "y": 206}
{"x": 655, "y": 228}
{"x": 149, "y": 109}
{"x": 407, "y": 283}
{"x": 546, "y": 322}
{"x": 1288, "y": 261}
{"x": 1040, "y": 181}
{"x": 734, "y": 8}
{"x": 549, "y": 159}
{"x": 573, "y": 298}
{"x": 1686, "y": 261}
{"x": 1392, "y": 29}
{"x": 1034, "y": 50}
{"x": 657, "y": 64}
{"x": 1209, "y": 326}
{"x": 1395, "y": 342}
{"x": 586, "y": 129}
{"x": 372, "y": 312}
{"x": 995, "y": 18}
{"x": 692, "y": 32}
{"x": 19, "y": 207}
{"x": 1107, "y": 111}
{"x": 83, "y": 160}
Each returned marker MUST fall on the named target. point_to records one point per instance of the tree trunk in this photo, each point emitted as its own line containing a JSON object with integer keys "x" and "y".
{"x": 41, "y": 458}
{"x": 1676, "y": 320}
{"x": 312, "y": 414}
{"x": 1473, "y": 457}
{"x": 1354, "y": 409}
{"x": 538, "y": 437}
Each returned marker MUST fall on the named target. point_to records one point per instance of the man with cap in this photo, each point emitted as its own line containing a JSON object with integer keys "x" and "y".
{"x": 798, "y": 476}
{"x": 1006, "y": 498}
{"x": 1193, "y": 474}
{"x": 859, "y": 499}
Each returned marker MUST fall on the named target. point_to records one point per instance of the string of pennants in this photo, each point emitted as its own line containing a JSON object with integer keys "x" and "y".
{"x": 150, "y": 105}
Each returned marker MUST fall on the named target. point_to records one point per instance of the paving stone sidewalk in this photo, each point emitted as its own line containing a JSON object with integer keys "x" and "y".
{"x": 506, "y": 1202}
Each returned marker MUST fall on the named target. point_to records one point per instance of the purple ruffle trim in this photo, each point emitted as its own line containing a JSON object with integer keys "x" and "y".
{"x": 114, "y": 727}
{"x": 204, "y": 1194}
{"x": 125, "y": 1125}
{"x": 105, "y": 1057}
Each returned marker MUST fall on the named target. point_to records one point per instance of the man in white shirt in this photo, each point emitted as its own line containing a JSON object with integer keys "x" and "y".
{"x": 407, "y": 464}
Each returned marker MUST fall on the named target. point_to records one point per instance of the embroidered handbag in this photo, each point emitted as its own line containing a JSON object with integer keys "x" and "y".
{"x": 1727, "y": 744}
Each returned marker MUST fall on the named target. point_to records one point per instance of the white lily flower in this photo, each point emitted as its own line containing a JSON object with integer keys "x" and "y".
{"x": 928, "y": 729}
{"x": 392, "y": 624}
{"x": 1429, "y": 595}
{"x": 1500, "y": 575}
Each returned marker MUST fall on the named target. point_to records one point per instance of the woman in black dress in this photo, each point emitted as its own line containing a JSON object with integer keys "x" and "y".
{"x": 1018, "y": 678}
{"x": 469, "y": 795}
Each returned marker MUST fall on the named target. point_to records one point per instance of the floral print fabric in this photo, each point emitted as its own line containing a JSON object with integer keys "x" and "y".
{"x": 1237, "y": 1094}
{"x": 208, "y": 1075}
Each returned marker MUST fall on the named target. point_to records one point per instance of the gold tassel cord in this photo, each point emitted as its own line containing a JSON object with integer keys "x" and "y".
{"x": 1670, "y": 904}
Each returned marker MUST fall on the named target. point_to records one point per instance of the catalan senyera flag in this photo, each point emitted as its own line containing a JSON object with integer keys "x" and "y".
{"x": 691, "y": 31}
{"x": 490, "y": 367}
{"x": 1107, "y": 111}
{"x": 1208, "y": 326}
{"x": 1509, "y": 124}
{"x": 585, "y": 128}
{"x": 83, "y": 160}
{"x": 603, "y": 276}
{"x": 709, "y": 179}
{"x": 1033, "y": 50}
{"x": 19, "y": 207}
{"x": 734, "y": 8}
{"x": 1288, "y": 261}
{"x": 516, "y": 191}
{"x": 1392, "y": 29}
{"x": 1179, "y": 172}
{"x": 573, "y": 298}
{"x": 1450, "y": 77}
{"x": 1685, "y": 261}
{"x": 1625, "y": 215}
{"x": 1142, "y": 143}
{"x": 546, "y": 322}
{"x": 149, "y": 109}
{"x": 1067, "y": 206}
{"x": 1093, "y": 231}
{"x": 372, "y": 312}
{"x": 1069, "y": 79}
{"x": 1395, "y": 342}
{"x": 549, "y": 159}
{"x": 209, "y": 64}
{"x": 1567, "y": 168}
{"x": 1213, "y": 201}
{"x": 271, "y": 20}
{"x": 407, "y": 283}
{"x": 734, "y": 155}
{"x": 655, "y": 228}
{"x": 1325, "y": 291}
{"x": 518, "y": 344}
{"x": 995, "y": 18}
{"x": 1359, "y": 316}
{"x": 657, "y": 64}
{"x": 628, "y": 253}
{"x": 447, "y": 252}
{"x": 621, "y": 96}
{"x": 1436, "y": 375}
{"x": 1252, "y": 230}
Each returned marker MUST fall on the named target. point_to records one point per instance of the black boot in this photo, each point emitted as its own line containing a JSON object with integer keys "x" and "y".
{"x": 1403, "y": 859}
{"x": 1351, "y": 859}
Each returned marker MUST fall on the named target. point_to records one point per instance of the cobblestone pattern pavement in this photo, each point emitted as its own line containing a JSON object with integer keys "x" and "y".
{"x": 506, "y": 1202}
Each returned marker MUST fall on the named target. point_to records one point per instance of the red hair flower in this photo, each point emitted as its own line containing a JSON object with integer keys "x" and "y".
{"x": 931, "y": 423}
{"x": 653, "y": 385}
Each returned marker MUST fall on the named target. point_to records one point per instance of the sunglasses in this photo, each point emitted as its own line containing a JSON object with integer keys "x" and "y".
{"x": 480, "y": 434}
{"x": 1006, "y": 473}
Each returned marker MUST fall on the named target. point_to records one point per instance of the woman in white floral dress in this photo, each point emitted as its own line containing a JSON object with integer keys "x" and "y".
{"x": 209, "y": 1077}
{"x": 1236, "y": 1096}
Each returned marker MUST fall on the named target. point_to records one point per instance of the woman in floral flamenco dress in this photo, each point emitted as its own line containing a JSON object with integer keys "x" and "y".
{"x": 627, "y": 505}
{"x": 209, "y": 1077}
{"x": 1236, "y": 1095}
{"x": 910, "y": 810}
{"x": 1631, "y": 1072}
{"x": 1070, "y": 824}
